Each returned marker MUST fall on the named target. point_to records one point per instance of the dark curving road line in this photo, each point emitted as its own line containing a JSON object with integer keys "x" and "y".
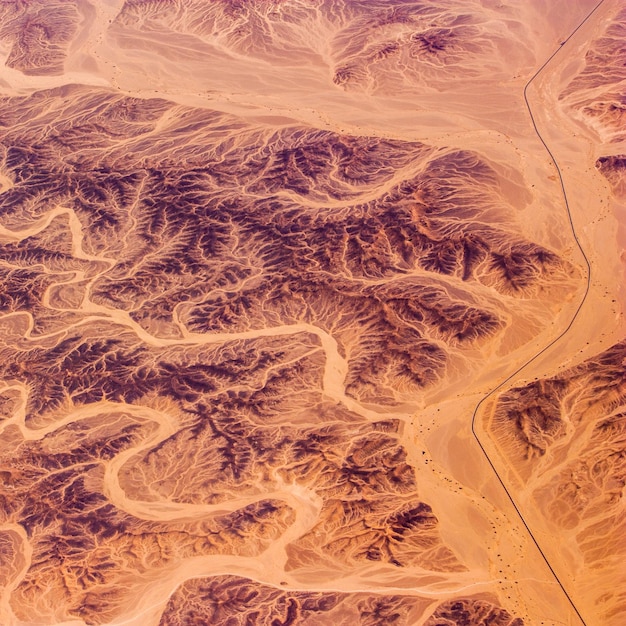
{"x": 563, "y": 333}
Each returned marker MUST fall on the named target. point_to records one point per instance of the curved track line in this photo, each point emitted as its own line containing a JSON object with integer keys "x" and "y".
{"x": 563, "y": 333}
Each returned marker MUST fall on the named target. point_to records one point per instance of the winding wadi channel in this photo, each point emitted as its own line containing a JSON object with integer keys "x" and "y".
{"x": 278, "y": 279}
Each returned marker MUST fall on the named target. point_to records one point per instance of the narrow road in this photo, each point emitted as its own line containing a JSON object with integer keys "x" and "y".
{"x": 588, "y": 272}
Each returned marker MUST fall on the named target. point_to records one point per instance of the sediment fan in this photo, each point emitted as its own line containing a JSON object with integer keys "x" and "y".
{"x": 310, "y": 312}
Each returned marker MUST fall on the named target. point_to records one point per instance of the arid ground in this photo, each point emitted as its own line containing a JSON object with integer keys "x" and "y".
{"x": 311, "y": 312}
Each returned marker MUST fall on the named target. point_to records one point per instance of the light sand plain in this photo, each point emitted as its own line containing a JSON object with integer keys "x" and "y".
{"x": 470, "y": 101}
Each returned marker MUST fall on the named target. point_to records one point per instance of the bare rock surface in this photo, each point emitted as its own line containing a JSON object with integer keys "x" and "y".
{"x": 301, "y": 323}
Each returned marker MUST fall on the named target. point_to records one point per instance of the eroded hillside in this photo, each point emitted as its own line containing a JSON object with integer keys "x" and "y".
{"x": 258, "y": 263}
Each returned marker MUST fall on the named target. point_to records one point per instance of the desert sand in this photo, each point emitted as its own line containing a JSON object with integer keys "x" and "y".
{"x": 312, "y": 312}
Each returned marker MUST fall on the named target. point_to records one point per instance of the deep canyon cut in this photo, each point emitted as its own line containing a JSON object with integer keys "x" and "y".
{"x": 311, "y": 312}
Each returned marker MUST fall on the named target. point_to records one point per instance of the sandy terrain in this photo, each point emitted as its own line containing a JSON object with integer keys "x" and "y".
{"x": 312, "y": 312}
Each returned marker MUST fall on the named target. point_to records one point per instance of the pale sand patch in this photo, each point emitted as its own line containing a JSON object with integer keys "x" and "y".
{"x": 484, "y": 113}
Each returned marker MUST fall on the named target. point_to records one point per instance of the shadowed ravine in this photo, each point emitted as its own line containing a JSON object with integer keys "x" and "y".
{"x": 311, "y": 313}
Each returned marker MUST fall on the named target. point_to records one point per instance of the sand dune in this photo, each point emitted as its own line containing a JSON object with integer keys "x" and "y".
{"x": 311, "y": 312}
